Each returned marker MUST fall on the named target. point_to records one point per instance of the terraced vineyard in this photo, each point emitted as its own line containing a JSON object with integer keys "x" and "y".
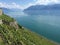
{"x": 9, "y": 35}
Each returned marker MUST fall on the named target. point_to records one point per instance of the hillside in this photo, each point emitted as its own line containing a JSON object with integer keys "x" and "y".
{"x": 11, "y": 33}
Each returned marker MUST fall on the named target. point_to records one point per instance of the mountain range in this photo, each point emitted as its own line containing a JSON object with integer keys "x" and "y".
{"x": 42, "y": 8}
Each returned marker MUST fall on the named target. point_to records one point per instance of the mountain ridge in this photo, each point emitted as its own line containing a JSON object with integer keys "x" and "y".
{"x": 43, "y": 9}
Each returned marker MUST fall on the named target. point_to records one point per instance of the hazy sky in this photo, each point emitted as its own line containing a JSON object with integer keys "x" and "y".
{"x": 21, "y": 4}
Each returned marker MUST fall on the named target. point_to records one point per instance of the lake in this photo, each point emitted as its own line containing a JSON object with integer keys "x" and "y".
{"x": 46, "y": 25}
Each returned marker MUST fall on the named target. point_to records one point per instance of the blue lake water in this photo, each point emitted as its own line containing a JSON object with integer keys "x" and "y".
{"x": 45, "y": 25}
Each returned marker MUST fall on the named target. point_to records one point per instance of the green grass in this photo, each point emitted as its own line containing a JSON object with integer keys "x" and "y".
{"x": 26, "y": 37}
{"x": 1, "y": 41}
{"x": 12, "y": 36}
{"x": 6, "y": 18}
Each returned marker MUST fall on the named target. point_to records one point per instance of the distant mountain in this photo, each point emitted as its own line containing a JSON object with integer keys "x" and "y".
{"x": 10, "y": 10}
{"x": 6, "y": 10}
{"x": 42, "y": 8}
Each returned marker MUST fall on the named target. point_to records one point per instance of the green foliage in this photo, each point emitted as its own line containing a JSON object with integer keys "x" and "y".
{"x": 11, "y": 36}
{"x": 6, "y": 18}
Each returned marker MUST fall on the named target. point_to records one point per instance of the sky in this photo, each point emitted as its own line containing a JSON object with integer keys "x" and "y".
{"x": 22, "y": 4}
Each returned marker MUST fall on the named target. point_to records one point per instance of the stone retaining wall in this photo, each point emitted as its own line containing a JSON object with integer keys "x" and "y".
{"x": 1, "y": 12}
{"x": 1, "y": 22}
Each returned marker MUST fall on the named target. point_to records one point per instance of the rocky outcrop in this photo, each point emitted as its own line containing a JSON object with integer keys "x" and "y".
{"x": 14, "y": 24}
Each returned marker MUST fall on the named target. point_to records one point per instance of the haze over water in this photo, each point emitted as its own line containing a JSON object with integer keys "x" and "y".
{"x": 46, "y": 25}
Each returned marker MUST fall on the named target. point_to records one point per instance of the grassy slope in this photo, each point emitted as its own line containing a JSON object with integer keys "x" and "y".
{"x": 11, "y": 36}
